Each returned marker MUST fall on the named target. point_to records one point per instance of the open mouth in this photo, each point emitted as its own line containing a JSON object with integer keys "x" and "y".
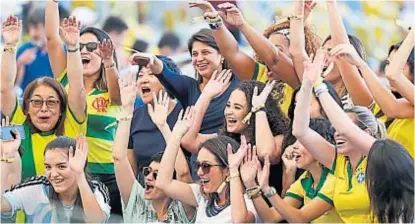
{"x": 85, "y": 60}
{"x": 145, "y": 90}
{"x": 57, "y": 181}
{"x": 148, "y": 187}
{"x": 232, "y": 120}
{"x": 202, "y": 66}
{"x": 340, "y": 142}
{"x": 44, "y": 118}
{"x": 327, "y": 69}
{"x": 204, "y": 181}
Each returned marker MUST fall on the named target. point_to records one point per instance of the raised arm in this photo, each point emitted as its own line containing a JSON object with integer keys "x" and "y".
{"x": 394, "y": 71}
{"x": 239, "y": 211}
{"x": 106, "y": 51}
{"x": 354, "y": 83}
{"x": 290, "y": 169}
{"x": 242, "y": 65}
{"x": 123, "y": 171}
{"x": 216, "y": 85}
{"x": 174, "y": 188}
{"x": 383, "y": 97}
{"x": 278, "y": 62}
{"x": 76, "y": 92}
{"x": 321, "y": 150}
{"x": 77, "y": 160}
{"x": 301, "y": 10}
{"x": 54, "y": 44}
{"x": 265, "y": 141}
{"x": 12, "y": 30}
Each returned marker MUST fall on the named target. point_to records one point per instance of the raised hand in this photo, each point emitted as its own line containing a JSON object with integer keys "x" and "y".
{"x": 249, "y": 168}
{"x": 106, "y": 49}
{"x": 263, "y": 175}
{"x": 346, "y": 52}
{"x": 233, "y": 15}
{"x": 128, "y": 92}
{"x": 70, "y": 31}
{"x": 184, "y": 121}
{"x": 313, "y": 69}
{"x": 207, "y": 8}
{"x": 258, "y": 100}
{"x": 217, "y": 83}
{"x": 77, "y": 158}
{"x": 288, "y": 160}
{"x": 159, "y": 112}
{"x": 235, "y": 159}
{"x": 9, "y": 148}
{"x": 12, "y": 30}
{"x": 308, "y": 7}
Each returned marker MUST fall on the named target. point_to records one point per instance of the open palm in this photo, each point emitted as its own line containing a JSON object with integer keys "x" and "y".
{"x": 184, "y": 121}
{"x": 106, "y": 49}
{"x": 159, "y": 112}
{"x": 77, "y": 159}
{"x": 128, "y": 91}
{"x": 205, "y": 6}
{"x": 218, "y": 83}
{"x": 70, "y": 31}
{"x": 12, "y": 30}
{"x": 233, "y": 15}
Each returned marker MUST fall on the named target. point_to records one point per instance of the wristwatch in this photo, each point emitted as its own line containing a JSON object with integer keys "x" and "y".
{"x": 271, "y": 192}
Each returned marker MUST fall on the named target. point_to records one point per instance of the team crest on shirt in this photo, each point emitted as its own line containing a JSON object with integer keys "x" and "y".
{"x": 100, "y": 104}
{"x": 361, "y": 177}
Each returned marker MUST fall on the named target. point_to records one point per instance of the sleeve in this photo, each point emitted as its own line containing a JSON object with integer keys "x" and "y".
{"x": 327, "y": 191}
{"x": 260, "y": 73}
{"x": 63, "y": 79}
{"x": 72, "y": 126}
{"x": 287, "y": 98}
{"x": 296, "y": 190}
{"x": 176, "y": 83}
{"x": 251, "y": 208}
{"x": 20, "y": 197}
{"x": 196, "y": 192}
{"x": 17, "y": 117}
{"x": 135, "y": 200}
{"x": 102, "y": 197}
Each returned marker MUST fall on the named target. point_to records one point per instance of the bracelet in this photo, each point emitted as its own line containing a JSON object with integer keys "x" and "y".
{"x": 253, "y": 192}
{"x": 9, "y": 49}
{"x": 295, "y": 17}
{"x": 73, "y": 50}
{"x": 8, "y": 160}
{"x": 253, "y": 111}
{"x": 213, "y": 20}
{"x": 125, "y": 118}
{"x": 232, "y": 176}
{"x": 319, "y": 89}
{"x": 111, "y": 66}
{"x": 215, "y": 25}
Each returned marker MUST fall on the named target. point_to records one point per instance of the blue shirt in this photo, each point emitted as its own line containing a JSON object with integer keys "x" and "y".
{"x": 40, "y": 67}
{"x": 187, "y": 91}
{"x": 145, "y": 138}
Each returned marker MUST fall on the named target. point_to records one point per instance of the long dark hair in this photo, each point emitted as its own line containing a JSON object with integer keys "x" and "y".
{"x": 390, "y": 182}
{"x": 63, "y": 101}
{"x": 101, "y": 82}
{"x": 277, "y": 120}
{"x": 218, "y": 147}
{"x": 205, "y": 36}
{"x": 64, "y": 143}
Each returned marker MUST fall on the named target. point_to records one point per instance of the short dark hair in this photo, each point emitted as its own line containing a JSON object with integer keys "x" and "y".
{"x": 36, "y": 16}
{"x": 114, "y": 23}
{"x": 169, "y": 39}
{"x": 140, "y": 45}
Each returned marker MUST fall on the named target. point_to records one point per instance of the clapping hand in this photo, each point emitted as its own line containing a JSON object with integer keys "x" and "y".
{"x": 106, "y": 50}
{"x": 313, "y": 69}
{"x": 263, "y": 175}
{"x": 159, "y": 112}
{"x": 249, "y": 168}
{"x": 260, "y": 99}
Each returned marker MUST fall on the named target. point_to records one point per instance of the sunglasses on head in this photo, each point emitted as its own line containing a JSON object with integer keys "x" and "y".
{"x": 147, "y": 170}
{"x": 91, "y": 46}
{"x": 205, "y": 166}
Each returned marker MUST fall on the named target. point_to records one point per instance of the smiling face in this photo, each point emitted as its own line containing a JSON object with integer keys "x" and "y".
{"x": 151, "y": 191}
{"x": 44, "y": 108}
{"x": 302, "y": 156}
{"x": 146, "y": 84}
{"x": 281, "y": 42}
{"x": 211, "y": 178}
{"x": 58, "y": 172}
{"x": 343, "y": 146}
{"x": 91, "y": 61}
{"x": 205, "y": 59}
{"x": 235, "y": 111}
{"x": 330, "y": 70}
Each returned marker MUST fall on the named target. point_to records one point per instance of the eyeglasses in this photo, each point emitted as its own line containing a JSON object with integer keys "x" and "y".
{"x": 147, "y": 170}
{"x": 205, "y": 166}
{"x": 91, "y": 46}
{"x": 37, "y": 103}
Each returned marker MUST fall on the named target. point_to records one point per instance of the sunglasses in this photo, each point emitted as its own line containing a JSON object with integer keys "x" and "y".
{"x": 147, "y": 170}
{"x": 38, "y": 103}
{"x": 205, "y": 166}
{"x": 91, "y": 46}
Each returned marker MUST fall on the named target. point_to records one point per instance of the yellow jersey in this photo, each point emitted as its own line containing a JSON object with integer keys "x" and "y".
{"x": 400, "y": 130}
{"x": 351, "y": 198}
{"x": 303, "y": 191}
{"x": 101, "y": 127}
{"x": 35, "y": 143}
{"x": 260, "y": 75}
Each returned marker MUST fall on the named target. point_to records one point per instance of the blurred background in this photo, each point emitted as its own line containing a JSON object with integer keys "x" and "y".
{"x": 165, "y": 26}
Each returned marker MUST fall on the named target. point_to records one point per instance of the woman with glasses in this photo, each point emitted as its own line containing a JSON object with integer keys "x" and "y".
{"x": 217, "y": 166}
{"x": 146, "y": 204}
{"x": 100, "y": 77}
{"x": 47, "y": 110}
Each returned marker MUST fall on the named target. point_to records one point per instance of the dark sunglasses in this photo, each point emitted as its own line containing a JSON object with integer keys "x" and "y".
{"x": 91, "y": 46}
{"x": 205, "y": 166}
{"x": 147, "y": 170}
